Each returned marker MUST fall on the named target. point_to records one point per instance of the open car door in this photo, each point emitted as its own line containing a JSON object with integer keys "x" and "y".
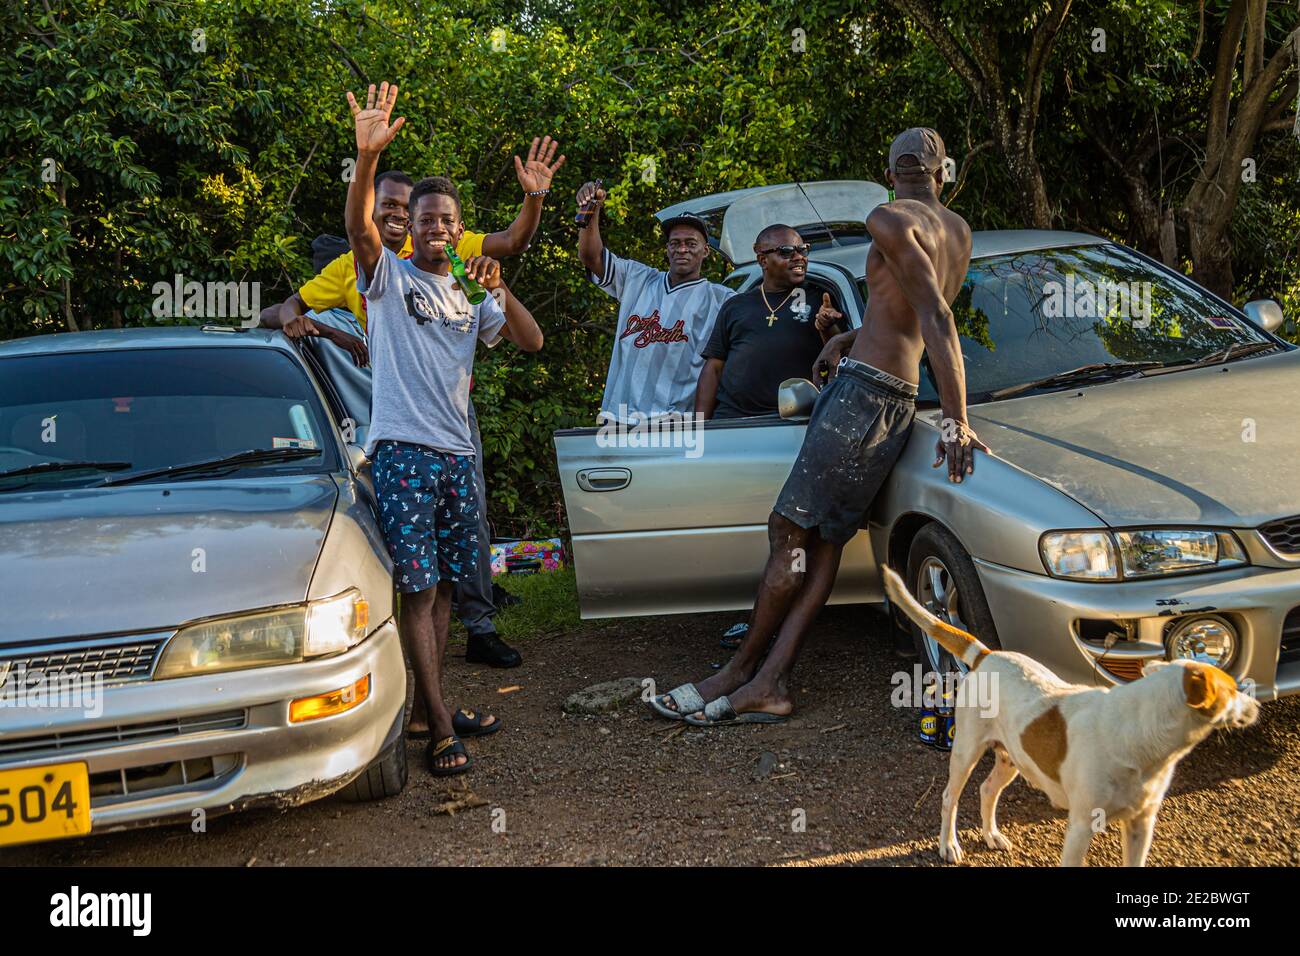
{"x": 677, "y": 522}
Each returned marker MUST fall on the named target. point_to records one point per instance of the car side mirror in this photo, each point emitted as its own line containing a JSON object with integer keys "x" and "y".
{"x": 1265, "y": 313}
{"x": 357, "y": 457}
{"x": 796, "y": 398}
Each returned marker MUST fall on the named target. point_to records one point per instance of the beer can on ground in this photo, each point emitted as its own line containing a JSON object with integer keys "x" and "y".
{"x": 946, "y": 713}
{"x": 930, "y": 727}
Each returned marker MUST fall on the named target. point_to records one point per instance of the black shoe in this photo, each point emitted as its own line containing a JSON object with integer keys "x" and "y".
{"x": 503, "y": 598}
{"x": 490, "y": 649}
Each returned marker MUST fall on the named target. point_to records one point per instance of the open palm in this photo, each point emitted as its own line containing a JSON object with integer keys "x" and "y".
{"x": 373, "y": 129}
{"x": 538, "y": 171}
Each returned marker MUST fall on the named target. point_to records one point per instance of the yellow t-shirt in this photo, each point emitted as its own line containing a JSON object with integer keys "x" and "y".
{"x": 336, "y": 285}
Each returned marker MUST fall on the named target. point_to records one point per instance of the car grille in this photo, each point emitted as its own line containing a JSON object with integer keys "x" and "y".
{"x": 1124, "y": 668}
{"x": 1283, "y": 535}
{"x": 154, "y": 780}
{"x": 1290, "y": 638}
{"x": 54, "y": 745}
{"x": 112, "y": 659}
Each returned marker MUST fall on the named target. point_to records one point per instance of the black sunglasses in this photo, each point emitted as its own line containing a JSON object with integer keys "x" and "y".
{"x": 787, "y": 252}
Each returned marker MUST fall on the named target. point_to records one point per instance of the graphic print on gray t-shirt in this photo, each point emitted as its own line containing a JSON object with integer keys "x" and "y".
{"x": 422, "y": 336}
{"x": 656, "y": 361}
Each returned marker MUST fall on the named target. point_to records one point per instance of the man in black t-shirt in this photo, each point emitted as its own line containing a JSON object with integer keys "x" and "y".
{"x": 767, "y": 335}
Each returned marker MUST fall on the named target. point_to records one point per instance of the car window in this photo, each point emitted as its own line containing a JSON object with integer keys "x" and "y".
{"x": 1026, "y": 316}
{"x": 154, "y": 408}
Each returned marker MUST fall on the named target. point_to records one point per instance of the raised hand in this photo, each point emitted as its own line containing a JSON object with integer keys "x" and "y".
{"x": 539, "y": 170}
{"x": 827, "y": 316}
{"x": 373, "y": 130}
{"x": 590, "y": 192}
{"x": 484, "y": 270}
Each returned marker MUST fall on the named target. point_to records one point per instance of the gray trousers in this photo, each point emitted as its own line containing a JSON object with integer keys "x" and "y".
{"x": 474, "y": 594}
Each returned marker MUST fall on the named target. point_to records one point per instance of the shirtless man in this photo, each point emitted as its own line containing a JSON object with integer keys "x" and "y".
{"x": 919, "y": 254}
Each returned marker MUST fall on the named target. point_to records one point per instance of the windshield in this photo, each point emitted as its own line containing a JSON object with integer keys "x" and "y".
{"x": 121, "y": 411}
{"x": 1035, "y": 314}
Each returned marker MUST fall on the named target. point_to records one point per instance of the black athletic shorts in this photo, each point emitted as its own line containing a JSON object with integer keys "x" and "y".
{"x": 858, "y": 429}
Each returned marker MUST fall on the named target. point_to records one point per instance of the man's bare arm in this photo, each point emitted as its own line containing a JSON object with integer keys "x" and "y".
{"x": 534, "y": 174}
{"x": 373, "y": 134}
{"x": 591, "y": 248}
{"x": 706, "y": 392}
{"x": 516, "y": 237}
{"x": 279, "y": 316}
{"x": 520, "y": 328}
{"x": 893, "y": 235}
{"x": 836, "y": 347}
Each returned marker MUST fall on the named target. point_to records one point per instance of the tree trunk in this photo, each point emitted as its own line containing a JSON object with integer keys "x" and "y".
{"x": 68, "y": 318}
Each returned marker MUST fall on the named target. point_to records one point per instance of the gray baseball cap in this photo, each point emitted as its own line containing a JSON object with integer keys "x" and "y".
{"x": 920, "y": 142}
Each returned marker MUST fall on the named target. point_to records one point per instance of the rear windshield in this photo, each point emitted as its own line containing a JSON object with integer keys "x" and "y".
{"x": 154, "y": 408}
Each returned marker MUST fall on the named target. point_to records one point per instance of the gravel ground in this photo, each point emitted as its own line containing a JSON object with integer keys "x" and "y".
{"x": 632, "y": 789}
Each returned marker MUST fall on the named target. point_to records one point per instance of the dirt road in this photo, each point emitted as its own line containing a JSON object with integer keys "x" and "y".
{"x": 629, "y": 789}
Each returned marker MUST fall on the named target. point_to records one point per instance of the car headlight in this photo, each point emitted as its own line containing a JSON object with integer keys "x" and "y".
{"x": 266, "y": 638}
{"x": 1082, "y": 555}
{"x": 1153, "y": 552}
{"x": 1145, "y": 553}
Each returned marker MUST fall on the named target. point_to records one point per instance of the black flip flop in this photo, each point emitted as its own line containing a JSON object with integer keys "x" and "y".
{"x": 448, "y": 746}
{"x": 469, "y": 723}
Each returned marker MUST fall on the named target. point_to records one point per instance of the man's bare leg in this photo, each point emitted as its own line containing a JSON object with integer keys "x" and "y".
{"x": 419, "y": 628}
{"x": 776, "y": 592}
{"x": 769, "y": 690}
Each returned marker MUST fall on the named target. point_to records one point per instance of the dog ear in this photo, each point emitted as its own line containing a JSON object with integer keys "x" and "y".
{"x": 1199, "y": 690}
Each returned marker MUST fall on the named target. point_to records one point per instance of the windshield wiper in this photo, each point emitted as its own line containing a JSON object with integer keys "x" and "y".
{"x": 1235, "y": 350}
{"x": 251, "y": 457}
{"x": 47, "y": 466}
{"x": 1084, "y": 373}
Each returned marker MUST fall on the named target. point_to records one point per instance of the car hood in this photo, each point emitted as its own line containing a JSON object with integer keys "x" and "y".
{"x": 1212, "y": 446}
{"x": 153, "y": 556}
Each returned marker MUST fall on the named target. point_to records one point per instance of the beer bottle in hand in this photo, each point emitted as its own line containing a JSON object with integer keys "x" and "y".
{"x": 588, "y": 209}
{"x": 473, "y": 291}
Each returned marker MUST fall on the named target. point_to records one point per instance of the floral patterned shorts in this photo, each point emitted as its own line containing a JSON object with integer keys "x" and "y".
{"x": 428, "y": 513}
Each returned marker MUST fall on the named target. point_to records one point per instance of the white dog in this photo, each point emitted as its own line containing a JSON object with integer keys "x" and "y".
{"x": 1106, "y": 755}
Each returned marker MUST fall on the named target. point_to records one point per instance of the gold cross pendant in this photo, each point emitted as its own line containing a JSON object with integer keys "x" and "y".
{"x": 771, "y": 317}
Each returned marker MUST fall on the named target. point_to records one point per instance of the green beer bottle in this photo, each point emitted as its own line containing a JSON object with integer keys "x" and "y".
{"x": 473, "y": 291}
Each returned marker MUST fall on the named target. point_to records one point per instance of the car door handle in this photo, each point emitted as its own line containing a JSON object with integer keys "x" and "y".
{"x": 604, "y": 479}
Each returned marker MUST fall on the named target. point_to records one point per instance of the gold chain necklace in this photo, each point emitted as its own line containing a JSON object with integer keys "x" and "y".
{"x": 771, "y": 312}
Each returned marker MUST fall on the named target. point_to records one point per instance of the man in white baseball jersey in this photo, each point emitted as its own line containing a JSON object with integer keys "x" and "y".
{"x": 664, "y": 318}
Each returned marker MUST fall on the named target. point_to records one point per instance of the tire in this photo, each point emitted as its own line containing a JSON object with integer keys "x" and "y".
{"x": 938, "y": 563}
{"x": 384, "y": 778}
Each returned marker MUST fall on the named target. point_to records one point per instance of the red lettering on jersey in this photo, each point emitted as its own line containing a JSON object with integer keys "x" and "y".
{"x": 648, "y": 330}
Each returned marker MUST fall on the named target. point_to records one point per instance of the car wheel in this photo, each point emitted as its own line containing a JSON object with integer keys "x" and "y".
{"x": 385, "y": 777}
{"x": 942, "y": 577}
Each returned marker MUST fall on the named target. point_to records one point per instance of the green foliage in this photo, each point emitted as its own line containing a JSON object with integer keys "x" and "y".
{"x": 222, "y": 159}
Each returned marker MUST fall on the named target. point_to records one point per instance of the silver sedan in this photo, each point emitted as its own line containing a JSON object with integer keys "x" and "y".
{"x": 1141, "y": 501}
{"x": 198, "y": 604}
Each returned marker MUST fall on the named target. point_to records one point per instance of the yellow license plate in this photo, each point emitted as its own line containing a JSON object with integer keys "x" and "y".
{"x": 44, "y": 803}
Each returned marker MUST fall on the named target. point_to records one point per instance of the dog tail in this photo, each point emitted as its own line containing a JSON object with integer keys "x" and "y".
{"x": 963, "y": 646}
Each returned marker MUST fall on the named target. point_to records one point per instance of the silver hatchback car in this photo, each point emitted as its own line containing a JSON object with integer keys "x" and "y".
{"x": 199, "y": 606}
{"x": 1142, "y": 500}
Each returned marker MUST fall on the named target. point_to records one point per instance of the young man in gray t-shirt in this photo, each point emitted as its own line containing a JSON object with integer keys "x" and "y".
{"x": 423, "y": 331}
